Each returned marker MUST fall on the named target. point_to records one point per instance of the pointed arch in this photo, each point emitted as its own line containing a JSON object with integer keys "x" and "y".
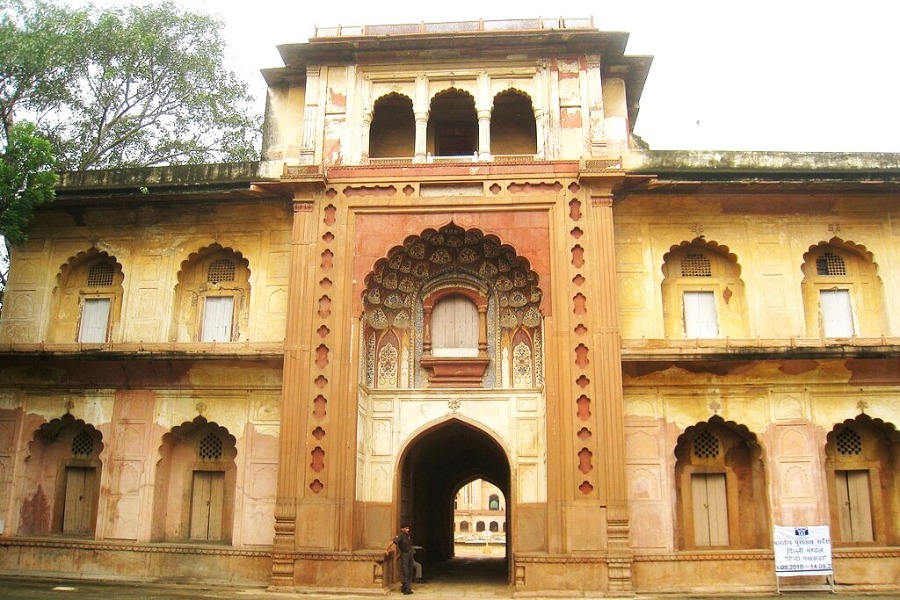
{"x": 513, "y": 125}
{"x": 403, "y": 288}
{"x": 392, "y": 133}
{"x": 87, "y": 300}
{"x": 863, "y": 477}
{"x": 61, "y": 480}
{"x": 212, "y": 296}
{"x": 452, "y": 129}
{"x": 843, "y": 295}
{"x": 195, "y": 483}
{"x": 702, "y": 291}
{"x": 720, "y": 484}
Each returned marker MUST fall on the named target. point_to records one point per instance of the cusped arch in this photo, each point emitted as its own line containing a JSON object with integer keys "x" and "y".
{"x": 740, "y": 430}
{"x": 887, "y": 429}
{"x": 392, "y": 97}
{"x": 701, "y": 243}
{"x": 207, "y": 251}
{"x": 452, "y": 90}
{"x": 50, "y": 432}
{"x": 84, "y": 257}
{"x": 510, "y": 90}
{"x": 395, "y": 281}
{"x": 857, "y": 250}
{"x": 188, "y": 430}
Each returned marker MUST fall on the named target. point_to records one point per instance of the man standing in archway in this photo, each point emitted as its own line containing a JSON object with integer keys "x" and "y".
{"x": 404, "y": 545}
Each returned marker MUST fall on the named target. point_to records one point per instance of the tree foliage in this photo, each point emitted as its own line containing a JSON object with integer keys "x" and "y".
{"x": 26, "y": 181}
{"x": 114, "y": 87}
{"x": 133, "y": 86}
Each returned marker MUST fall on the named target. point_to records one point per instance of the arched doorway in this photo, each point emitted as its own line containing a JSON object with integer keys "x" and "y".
{"x": 433, "y": 468}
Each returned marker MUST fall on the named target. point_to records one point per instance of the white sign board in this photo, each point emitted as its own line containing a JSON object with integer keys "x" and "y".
{"x": 802, "y": 551}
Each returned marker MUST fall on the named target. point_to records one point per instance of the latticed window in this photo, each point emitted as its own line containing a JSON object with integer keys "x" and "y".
{"x": 706, "y": 445}
{"x": 830, "y": 264}
{"x": 220, "y": 270}
{"x": 695, "y": 265}
{"x": 83, "y": 445}
{"x": 210, "y": 447}
{"x": 100, "y": 275}
{"x": 848, "y": 442}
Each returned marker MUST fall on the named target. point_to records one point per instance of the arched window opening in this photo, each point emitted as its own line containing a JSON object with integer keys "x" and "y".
{"x": 393, "y": 130}
{"x": 720, "y": 488}
{"x": 862, "y": 472}
{"x": 212, "y": 296}
{"x": 62, "y": 472}
{"x": 494, "y": 502}
{"x": 703, "y": 295}
{"x": 513, "y": 126}
{"x": 195, "y": 484}
{"x": 479, "y": 526}
{"x": 842, "y": 294}
{"x": 87, "y": 300}
{"x": 452, "y": 125}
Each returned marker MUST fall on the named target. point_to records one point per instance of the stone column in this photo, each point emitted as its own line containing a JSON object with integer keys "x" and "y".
{"x": 421, "y": 132}
{"x": 484, "y": 135}
{"x": 291, "y": 467}
{"x": 483, "y": 104}
{"x": 421, "y": 106}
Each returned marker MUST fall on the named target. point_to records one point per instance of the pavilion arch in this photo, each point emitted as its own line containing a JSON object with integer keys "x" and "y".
{"x": 702, "y": 292}
{"x": 452, "y": 124}
{"x": 392, "y": 133}
{"x": 87, "y": 300}
{"x": 495, "y": 294}
{"x": 436, "y": 461}
{"x": 513, "y": 125}
{"x": 60, "y": 484}
{"x": 843, "y": 295}
{"x": 862, "y": 464}
{"x": 195, "y": 484}
{"x": 212, "y": 297}
{"x": 720, "y": 484}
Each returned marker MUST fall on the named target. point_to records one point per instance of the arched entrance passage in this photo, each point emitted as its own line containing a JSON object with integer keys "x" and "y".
{"x": 433, "y": 468}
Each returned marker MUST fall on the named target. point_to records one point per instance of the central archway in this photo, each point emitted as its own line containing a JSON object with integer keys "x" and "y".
{"x": 435, "y": 464}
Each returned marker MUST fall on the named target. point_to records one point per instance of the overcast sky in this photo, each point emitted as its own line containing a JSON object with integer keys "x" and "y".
{"x": 790, "y": 75}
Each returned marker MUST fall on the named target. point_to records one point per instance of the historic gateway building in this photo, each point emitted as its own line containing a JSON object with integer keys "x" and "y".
{"x": 454, "y": 262}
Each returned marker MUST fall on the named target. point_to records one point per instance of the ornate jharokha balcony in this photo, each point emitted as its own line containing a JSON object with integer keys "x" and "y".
{"x": 479, "y": 26}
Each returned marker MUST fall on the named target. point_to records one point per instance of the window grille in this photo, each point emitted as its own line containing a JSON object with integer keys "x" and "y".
{"x": 210, "y": 448}
{"x": 830, "y": 264}
{"x": 220, "y": 270}
{"x": 706, "y": 445}
{"x": 695, "y": 265}
{"x": 100, "y": 275}
{"x": 83, "y": 445}
{"x": 848, "y": 442}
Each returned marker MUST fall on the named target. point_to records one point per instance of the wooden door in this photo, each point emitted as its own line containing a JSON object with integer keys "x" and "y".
{"x": 78, "y": 509}
{"x": 855, "y": 506}
{"x": 710, "y": 509}
{"x": 207, "y": 505}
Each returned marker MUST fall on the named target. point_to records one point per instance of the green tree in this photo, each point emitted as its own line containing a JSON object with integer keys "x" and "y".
{"x": 27, "y": 180}
{"x": 134, "y": 86}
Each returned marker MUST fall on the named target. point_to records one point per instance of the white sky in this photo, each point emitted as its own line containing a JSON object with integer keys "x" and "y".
{"x": 794, "y": 75}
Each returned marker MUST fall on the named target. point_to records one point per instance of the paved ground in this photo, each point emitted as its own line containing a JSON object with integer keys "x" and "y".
{"x": 464, "y": 578}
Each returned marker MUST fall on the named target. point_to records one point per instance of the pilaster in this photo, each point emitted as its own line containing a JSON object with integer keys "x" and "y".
{"x": 610, "y": 421}
{"x": 294, "y": 413}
